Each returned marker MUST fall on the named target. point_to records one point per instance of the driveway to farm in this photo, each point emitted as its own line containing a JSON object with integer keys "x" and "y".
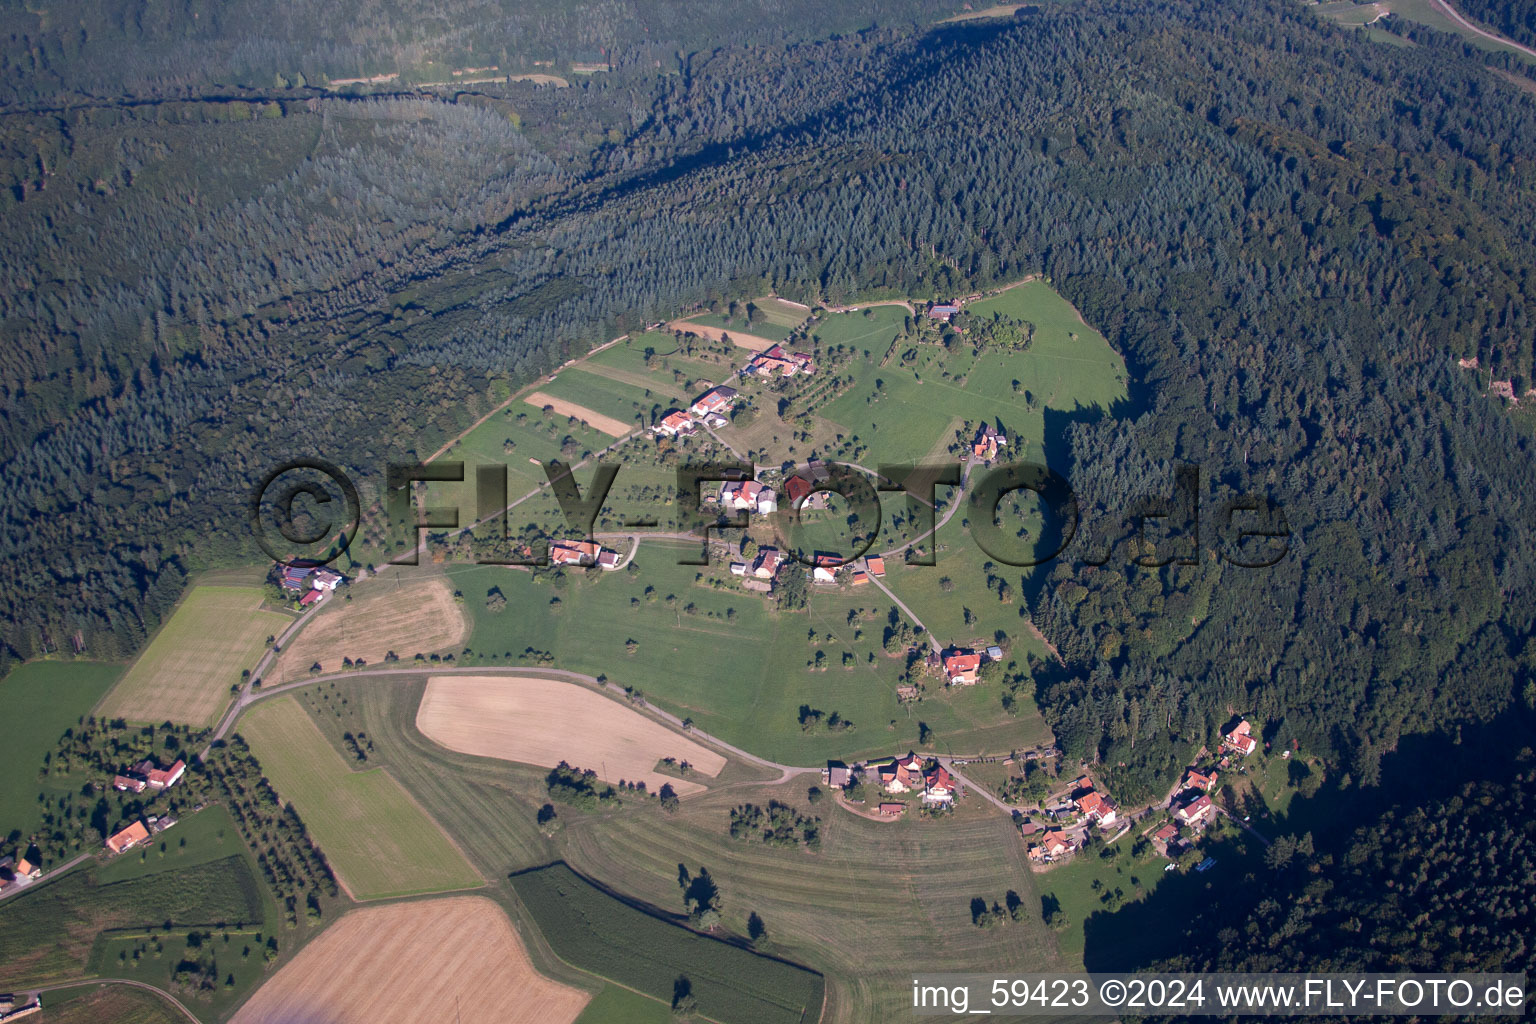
{"x": 1454, "y": 15}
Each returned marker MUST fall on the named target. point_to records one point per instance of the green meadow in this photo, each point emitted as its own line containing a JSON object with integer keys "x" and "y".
{"x": 42, "y": 699}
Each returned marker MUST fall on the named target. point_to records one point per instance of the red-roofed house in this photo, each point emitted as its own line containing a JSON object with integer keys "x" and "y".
{"x": 1241, "y": 739}
{"x": 961, "y": 667}
{"x": 797, "y": 487}
{"x": 309, "y": 598}
{"x": 1096, "y": 807}
{"x": 1051, "y": 845}
{"x": 674, "y": 423}
{"x": 128, "y": 784}
{"x": 1199, "y": 780}
{"x": 938, "y": 786}
{"x": 573, "y": 552}
{"x": 988, "y": 440}
{"x": 767, "y": 564}
{"x": 168, "y": 777}
{"x": 902, "y": 775}
{"x": 128, "y": 838}
{"x": 892, "y": 810}
{"x": 1197, "y": 813}
{"x": 26, "y": 869}
{"x": 860, "y": 577}
{"x": 876, "y": 566}
{"x": 715, "y": 400}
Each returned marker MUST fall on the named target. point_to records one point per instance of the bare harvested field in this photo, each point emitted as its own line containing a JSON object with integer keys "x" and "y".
{"x": 595, "y": 420}
{"x": 751, "y": 342}
{"x": 539, "y": 78}
{"x": 446, "y": 959}
{"x": 409, "y": 617}
{"x": 544, "y": 722}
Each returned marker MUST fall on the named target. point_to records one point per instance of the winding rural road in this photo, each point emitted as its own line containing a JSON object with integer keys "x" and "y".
{"x": 252, "y": 696}
{"x": 1455, "y": 15}
{"x": 162, "y": 993}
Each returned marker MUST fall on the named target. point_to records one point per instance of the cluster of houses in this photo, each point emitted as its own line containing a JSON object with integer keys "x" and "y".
{"x": 146, "y": 775}
{"x": 312, "y": 582}
{"x": 582, "y": 552}
{"x": 896, "y": 776}
{"x": 1091, "y": 807}
{"x": 775, "y": 362}
{"x": 708, "y": 407}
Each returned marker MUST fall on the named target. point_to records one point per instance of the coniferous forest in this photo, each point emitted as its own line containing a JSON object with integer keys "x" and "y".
{"x": 1295, "y": 235}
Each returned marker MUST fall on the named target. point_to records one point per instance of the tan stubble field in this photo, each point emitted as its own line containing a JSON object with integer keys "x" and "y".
{"x": 595, "y": 420}
{"x": 408, "y": 617}
{"x": 448, "y": 959}
{"x": 544, "y": 721}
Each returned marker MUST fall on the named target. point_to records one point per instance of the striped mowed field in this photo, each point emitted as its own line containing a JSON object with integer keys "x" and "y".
{"x": 185, "y": 674}
{"x": 378, "y": 839}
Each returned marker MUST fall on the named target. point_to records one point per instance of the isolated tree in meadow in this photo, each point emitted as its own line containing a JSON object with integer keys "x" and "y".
{"x": 757, "y": 931}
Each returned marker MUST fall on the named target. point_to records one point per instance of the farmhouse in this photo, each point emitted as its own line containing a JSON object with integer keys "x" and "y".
{"x": 26, "y": 869}
{"x": 902, "y": 775}
{"x": 767, "y": 564}
{"x": 327, "y": 579}
{"x": 942, "y": 310}
{"x": 804, "y": 495}
{"x": 160, "y": 778}
{"x": 774, "y": 361}
{"x": 1197, "y": 813}
{"x": 860, "y": 577}
{"x": 961, "y": 666}
{"x": 1241, "y": 739}
{"x": 1094, "y": 806}
{"x": 1053, "y": 844}
{"x": 310, "y": 597}
{"x": 582, "y": 552}
{"x": 822, "y": 574}
{"x": 128, "y": 838}
{"x": 294, "y": 576}
{"x": 837, "y": 774}
{"x": 128, "y": 784}
{"x": 938, "y": 786}
{"x": 715, "y": 400}
{"x": 875, "y": 566}
{"x": 1202, "y": 781}
{"x": 673, "y": 424}
{"x": 748, "y": 496}
{"x": 988, "y": 440}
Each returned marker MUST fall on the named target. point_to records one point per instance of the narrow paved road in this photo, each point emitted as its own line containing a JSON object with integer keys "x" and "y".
{"x": 1455, "y": 15}
{"x": 47, "y": 876}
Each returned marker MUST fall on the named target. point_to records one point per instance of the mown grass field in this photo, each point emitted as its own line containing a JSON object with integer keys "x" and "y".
{"x": 622, "y": 401}
{"x": 594, "y": 931}
{"x": 738, "y": 667}
{"x": 108, "y": 1004}
{"x": 41, "y": 700}
{"x": 185, "y": 674}
{"x": 629, "y": 357}
{"x": 47, "y": 933}
{"x": 761, "y": 326}
{"x": 901, "y": 888}
{"x": 618, "y": 1005}
{"x": 516, "y": 434}
{"x": 380, "y": 841}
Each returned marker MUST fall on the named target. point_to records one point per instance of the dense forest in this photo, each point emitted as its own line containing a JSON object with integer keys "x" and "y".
{"x": 59, "y": 50}
{"x": 1513, "y": 18}
{"x": 1292, "y": 233}
{"x": 1440, "y": 882}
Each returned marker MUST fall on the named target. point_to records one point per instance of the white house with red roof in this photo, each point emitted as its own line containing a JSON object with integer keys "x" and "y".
{"x": 961, "y": 667}
{"x": 1198, "y": 813}
{"x": 715, "y": 400}
{"x": 1241, "y": 739}
{"x": 1203, "y": 781}
{"x": 767, "y": 564}
{"x": 673, "y": 424}
{"x": 938, "y": 786}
